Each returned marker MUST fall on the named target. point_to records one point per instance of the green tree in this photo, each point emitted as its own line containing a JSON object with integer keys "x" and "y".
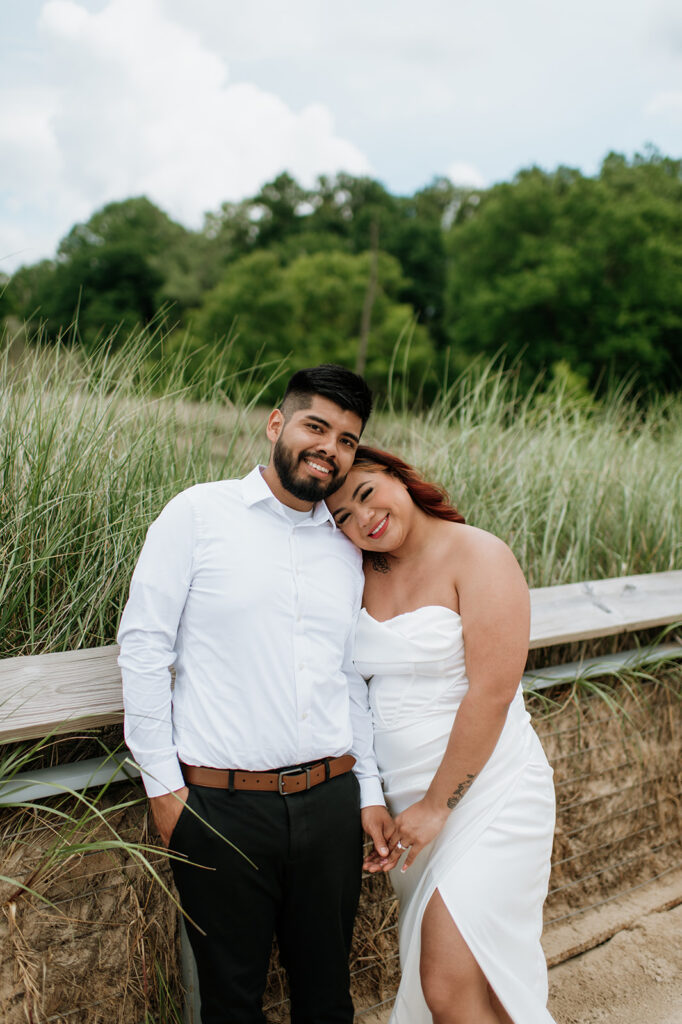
{"x": 339, "y": 215}
{"x": 273, "y": 216}
{"x": 253, "y": 302}
{"x": 30, "y": 290}
{"x": 416, "y": 237}
{"x": 279, "y": 210}
{"x": 310, "y": 311}
{"x": 118, "y": 268}
{"x": 410, "y": 229}
{"x": 563, "y": 267}
{"x": 7, "y": 299}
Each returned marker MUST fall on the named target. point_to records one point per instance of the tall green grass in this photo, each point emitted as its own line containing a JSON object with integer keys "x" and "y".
{"x": 579, "y": 489}
{"x": 91, "y": 448}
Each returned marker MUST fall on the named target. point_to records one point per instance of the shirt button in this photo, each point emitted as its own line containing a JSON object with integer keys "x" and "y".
{"x": 301, "y": 664}
{"x": 304, "y": 715}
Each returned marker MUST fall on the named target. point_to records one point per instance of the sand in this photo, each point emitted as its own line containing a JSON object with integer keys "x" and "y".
{"x": 634, "y": 978}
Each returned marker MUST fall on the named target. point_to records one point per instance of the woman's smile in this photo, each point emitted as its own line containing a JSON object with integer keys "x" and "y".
{"x": 380, "y": 529}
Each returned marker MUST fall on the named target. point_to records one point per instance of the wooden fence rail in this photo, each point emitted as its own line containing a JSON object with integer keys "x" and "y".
{"x": 61, "y": 693}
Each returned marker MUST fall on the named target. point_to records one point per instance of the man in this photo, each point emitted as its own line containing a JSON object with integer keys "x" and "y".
{"x": 250, "y": 591}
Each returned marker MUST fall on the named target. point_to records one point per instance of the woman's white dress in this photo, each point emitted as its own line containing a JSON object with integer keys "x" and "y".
{"x": 491, "y": 861}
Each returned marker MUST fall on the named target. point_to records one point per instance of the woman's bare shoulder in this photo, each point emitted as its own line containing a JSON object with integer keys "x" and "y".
{"x": 475, "y": 554}
{"x": 465, "y": 541}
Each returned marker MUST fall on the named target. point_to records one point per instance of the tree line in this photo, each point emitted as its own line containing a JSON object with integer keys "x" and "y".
{"x": 562, "y": 272}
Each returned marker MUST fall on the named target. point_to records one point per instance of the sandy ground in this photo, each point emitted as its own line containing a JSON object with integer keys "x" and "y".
{"x": 634, "y": 978}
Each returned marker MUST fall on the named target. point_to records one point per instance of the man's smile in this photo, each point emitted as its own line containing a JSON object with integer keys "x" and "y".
{"x": 317, "y": 466}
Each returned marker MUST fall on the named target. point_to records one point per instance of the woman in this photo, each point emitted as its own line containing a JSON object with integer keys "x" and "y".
{"x": 443, "y": 638}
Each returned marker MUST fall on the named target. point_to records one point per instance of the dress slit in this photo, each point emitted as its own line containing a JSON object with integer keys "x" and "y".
{"x": 467, "y": 942}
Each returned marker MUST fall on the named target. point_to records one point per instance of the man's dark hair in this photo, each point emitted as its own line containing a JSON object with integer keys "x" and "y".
{"x": 336, "y": 383}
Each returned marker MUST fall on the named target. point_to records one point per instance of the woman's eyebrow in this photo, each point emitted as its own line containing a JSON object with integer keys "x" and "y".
{"x": 363, "y": 483}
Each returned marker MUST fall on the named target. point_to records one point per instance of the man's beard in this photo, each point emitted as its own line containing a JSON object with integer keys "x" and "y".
{"x": 309, "y": 489}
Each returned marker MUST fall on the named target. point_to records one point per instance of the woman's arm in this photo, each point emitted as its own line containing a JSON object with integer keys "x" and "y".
{"x": 495, "y": 609}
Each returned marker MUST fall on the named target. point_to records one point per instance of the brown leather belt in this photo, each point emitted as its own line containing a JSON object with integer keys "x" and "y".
{"x": 284, "y": 781}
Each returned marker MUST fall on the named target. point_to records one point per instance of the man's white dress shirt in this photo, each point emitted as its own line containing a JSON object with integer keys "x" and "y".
{"x": 255, "y": 609}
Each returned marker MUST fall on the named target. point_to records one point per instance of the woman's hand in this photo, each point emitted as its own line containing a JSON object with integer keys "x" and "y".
{"x": 415, "y": 828}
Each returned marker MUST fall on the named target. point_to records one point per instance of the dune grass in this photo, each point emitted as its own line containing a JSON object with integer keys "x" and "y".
{"x": 90, "y": 451}
{"x": 579, "y": 489}
{"x": 91, "y": 448}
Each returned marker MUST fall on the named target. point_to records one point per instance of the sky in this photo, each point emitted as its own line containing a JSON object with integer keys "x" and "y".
{"x": 195, "y": 102}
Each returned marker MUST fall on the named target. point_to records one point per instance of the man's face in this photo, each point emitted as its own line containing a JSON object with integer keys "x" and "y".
{"x": 314, "y": 448}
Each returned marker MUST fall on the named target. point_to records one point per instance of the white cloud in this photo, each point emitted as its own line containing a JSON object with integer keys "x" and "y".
{"x": 198, "y": 102}
{"x": 461, "y": 173}
{"x": 666, "y": 103}
{"x": 136, "y": 103}
{"x": 64, "y": 17}
{"x": 29, "y": 147}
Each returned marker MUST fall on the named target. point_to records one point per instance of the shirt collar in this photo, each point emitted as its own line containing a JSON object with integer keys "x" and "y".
{"x": 255, "y": 489}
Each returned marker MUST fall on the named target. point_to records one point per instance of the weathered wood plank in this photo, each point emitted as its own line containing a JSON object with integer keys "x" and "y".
{"x": 59, "y": 693}
{"x": 582, "y": 611}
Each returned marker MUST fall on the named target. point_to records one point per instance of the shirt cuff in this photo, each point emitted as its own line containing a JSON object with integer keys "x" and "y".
{"x": 163, "y": 777}
{"x": 371, "y": 792}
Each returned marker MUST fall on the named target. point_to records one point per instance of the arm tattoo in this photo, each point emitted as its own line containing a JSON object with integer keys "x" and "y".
{"x": 460, "y": 791}
{"x": 379, "y": 562}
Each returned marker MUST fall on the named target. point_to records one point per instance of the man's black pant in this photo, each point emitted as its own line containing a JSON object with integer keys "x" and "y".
{"x": 307, "y": 848}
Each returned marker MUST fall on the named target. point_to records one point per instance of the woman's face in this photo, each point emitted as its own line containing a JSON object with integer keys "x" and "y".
{"x": 373, "y": 508}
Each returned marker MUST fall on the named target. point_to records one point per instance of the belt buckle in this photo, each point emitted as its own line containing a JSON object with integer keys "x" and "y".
{"x": 292, "y": 771}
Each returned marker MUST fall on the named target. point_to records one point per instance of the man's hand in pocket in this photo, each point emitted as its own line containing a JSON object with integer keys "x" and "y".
{"x": 166, "y": 810}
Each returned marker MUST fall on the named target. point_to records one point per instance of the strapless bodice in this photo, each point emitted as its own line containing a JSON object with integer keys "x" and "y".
{"x": 417, "y": 679}
{"x": 414, "y": 663}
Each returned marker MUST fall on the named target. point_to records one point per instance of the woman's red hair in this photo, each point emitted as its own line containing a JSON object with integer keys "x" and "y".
{"x": 430, "y": 498}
